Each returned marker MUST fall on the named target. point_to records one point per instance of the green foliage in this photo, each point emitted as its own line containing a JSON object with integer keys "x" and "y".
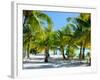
{"x": 71, "y": 52}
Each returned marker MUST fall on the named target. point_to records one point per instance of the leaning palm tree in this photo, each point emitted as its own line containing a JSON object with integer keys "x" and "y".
{"x": 84, "y": 21}
{"x": 27, "y": 37}
{"x": 54, "y": 42}
{"x": 46, "y": 42}
{"x": 82, "y": 31}
{"x": 35, "y": 21}
{"x": 87, "y": 32}
{"x": 68, "y": 32}
{"x": 61, "y": 40}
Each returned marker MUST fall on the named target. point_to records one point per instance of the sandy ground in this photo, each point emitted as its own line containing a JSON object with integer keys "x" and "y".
{"x": 55, "y": 61}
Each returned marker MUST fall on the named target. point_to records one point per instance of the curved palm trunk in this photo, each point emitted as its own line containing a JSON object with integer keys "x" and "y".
{"x": 46, "y": 54}
{"x": 62, "y": 51}
{"x": 83, "y": 56}
{"x": 80, "y": 54}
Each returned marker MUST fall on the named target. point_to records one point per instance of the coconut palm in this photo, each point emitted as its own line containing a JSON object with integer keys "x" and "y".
{"x": 45, "y": 42}
{"x": 70, "y": 45}
{"x": 61, "y": 40}
{"x": 34, "y": 21}
{"x": 27, "y": 36}
{"x": 82, "y": 32}
{"x": 85, "y": 23}
{"x": 55, "y": 43}
{"x": 87, "y": 32}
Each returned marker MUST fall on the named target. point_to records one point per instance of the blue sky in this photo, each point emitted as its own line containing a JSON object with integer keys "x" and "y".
{"x": 59, "y": 18}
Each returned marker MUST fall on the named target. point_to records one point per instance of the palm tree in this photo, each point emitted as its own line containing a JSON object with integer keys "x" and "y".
{"x": 87, "y": 31}
{"x": 47, "y": 42}
{"x": 70, "y": 45}
{"x": 85, "y": 23}
{"x": 82, "y": 31}
{"x": 61, "y": 40}
{"x": 27, "y": 36}
{"x": 34, "y": 20}
{"x": 54, "y": 42}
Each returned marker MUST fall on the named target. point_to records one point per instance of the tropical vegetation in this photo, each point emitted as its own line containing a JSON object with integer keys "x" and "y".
{"x": 39, "y": 35}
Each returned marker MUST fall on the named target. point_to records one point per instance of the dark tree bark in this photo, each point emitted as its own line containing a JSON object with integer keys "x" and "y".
{"x": 89, "y": 61}
{"x": 80, "y": 54}
{"x": 83, "y": 56}
{"x": 62, "y": 51}
{"x": 46, "y": 54}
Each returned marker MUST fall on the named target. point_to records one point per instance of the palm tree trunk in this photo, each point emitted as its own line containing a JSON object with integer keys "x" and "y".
{"x": 62, "y": 51}
{"x": 80, "y": 54}
{"x": 89, "y": 61}
{"x": 83, "y": 56}
{"x": 46, "y": 54}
